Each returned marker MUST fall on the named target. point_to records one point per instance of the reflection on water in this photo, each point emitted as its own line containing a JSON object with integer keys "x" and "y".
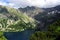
{"x": 18, "y": 35}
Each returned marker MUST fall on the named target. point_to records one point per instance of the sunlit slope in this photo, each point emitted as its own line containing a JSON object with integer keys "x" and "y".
{"x": 12, "y": 20}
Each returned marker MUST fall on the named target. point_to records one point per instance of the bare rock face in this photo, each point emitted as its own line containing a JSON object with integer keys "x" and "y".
{"x": 31, "y": 11}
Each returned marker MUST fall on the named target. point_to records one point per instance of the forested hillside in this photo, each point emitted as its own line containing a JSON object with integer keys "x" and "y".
{"x": 53, "y": 32}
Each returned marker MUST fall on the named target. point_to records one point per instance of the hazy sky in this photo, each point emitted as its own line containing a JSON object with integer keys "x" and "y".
{"x": 24, "y": 3}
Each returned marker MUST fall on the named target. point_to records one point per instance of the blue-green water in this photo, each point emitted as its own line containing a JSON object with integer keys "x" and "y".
{"x": 25, "y": 35}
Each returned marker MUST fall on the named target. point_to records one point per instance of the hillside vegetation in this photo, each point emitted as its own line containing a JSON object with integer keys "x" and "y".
{"x": 12, "y": 20}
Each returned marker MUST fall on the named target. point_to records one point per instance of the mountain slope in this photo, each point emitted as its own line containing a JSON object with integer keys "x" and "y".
{"x": 12, "y": 20}
{"x": 48, "y": 17}
{"x": 44, "y": 16}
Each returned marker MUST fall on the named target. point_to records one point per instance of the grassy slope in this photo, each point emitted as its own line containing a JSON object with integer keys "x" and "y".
{"x": 13, "y": 20}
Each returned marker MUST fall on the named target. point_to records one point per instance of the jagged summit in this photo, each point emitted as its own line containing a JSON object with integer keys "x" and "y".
{"x": 31, "y": 11}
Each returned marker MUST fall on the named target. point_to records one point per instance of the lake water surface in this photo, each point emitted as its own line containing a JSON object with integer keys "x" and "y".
{"x": 25, "y": 35}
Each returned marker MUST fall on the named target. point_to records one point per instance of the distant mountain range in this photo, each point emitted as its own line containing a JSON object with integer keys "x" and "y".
{"x": 53, "y": 8}
{"x": 32, "y": 11}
